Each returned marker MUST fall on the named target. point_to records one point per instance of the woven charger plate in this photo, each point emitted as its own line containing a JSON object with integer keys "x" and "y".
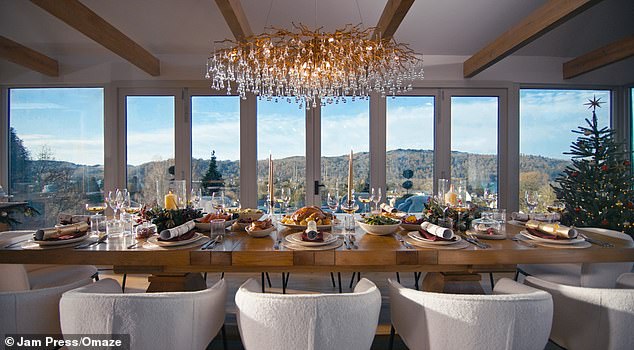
{"x": 580, "y": 245}
{"x": 334, "y": 245}
{"x": 151, "y": 246}
{"x": 32, "y": 245}
{"x": 458, "y": 245}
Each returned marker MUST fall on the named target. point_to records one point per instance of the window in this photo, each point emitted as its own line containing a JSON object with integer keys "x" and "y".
{"x": 282, "y": 134}
{"x": 546, "y": 120}
{"x": 56, "y": 150}
{"x": 474, "y": 143}
{"x": 150, "y": 144}
{"x": 410, "y": 144}
{"x": 216, "y": 138}
{"x": 345, "y": 126}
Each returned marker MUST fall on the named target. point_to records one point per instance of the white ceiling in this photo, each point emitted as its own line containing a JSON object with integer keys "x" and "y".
{"x": 181, "y": 32}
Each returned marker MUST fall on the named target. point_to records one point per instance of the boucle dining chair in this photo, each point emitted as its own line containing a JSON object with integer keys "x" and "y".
{"x": 594, "y": 275}
{"x": 170, "y": 320}
{"x": 47, "y": 275}
{"x": 590, "y": 318}
{"x": 308, "y": 321}
{"x": 24, "y": 309}
{"x": 514, "y": 317}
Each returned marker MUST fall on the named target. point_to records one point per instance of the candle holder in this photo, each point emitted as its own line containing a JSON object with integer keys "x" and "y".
{"x": 171, "y": 194}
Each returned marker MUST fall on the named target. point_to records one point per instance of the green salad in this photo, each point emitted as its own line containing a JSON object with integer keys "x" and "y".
{"x": 380, "y": 220}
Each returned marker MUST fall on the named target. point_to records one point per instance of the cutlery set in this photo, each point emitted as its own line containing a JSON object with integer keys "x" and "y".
{"x": 212, "y": 243}
{"x": 596, "y": 241}
{"x": 87, "y": 245}
{"x": 405, "y": 243}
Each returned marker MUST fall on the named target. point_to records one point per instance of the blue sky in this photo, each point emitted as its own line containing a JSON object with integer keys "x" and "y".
{"x": 70, "y": 122}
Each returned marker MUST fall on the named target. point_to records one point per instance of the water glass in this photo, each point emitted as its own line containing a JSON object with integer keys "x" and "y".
{"x": 348, "y": 222}
{"x": 96, "y": 221}
{"x": 114, "y": 228}
{"x": 218, "y": 227}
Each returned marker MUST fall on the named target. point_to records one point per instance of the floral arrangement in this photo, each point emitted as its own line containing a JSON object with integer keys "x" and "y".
{"x": 434, "y": 211}
{"x": 165, "y": 218}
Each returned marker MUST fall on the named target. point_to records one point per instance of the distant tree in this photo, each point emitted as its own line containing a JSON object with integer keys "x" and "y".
{"x": 19, "y": 158}
{"x": 212, "y": 176}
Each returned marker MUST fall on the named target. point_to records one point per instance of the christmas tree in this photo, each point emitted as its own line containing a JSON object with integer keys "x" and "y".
{"x": 213, "y": 177}
{"x": 597, "y": 186}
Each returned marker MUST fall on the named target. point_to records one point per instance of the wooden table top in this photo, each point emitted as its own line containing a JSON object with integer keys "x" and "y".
{"x": 239, "y": 252}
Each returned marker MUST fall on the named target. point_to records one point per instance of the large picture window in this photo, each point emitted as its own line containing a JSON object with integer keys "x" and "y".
{"x": 546, "y": 120}
{"x": 56, "y": 150}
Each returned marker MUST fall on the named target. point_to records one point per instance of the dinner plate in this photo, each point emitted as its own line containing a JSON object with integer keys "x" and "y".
{"x": 62, "y": 241}
{"x": 303, "y": 227}
{"x": 154, "y": 240}
{"x": 417, "y": 236}
{"x": 551, "y": 241}
{"x": 296, "y": 238}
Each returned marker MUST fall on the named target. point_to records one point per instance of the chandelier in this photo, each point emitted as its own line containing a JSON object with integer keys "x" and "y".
{"x": 310, "y": 66}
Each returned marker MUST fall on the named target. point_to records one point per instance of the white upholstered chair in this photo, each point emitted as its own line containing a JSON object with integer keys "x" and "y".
{"x": 47, "y": 275}
{"x": 27, "y": 310}
{"x": 308, "y": 321}
{"x": 595, "y": 275}
{"x": 514, "y": 317}
{"x": 174, "y": 320}
{"x": 590, "y": 318}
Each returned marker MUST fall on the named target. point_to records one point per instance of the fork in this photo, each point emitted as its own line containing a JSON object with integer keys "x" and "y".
{"x": 475, "y": 241}
{"x": 353, "y": 241}
{"x": 404, "y": 242}
{"x": 519, "y": 240}
{"x": 597, "y": 242}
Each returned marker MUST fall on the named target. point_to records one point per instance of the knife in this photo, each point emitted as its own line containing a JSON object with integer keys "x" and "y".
{"x": 476, "y": 243}
{"x": 100, "y": 240}
{"x": 16, "y": 243}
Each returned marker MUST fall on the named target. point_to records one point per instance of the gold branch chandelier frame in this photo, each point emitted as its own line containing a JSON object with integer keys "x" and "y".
{"x": 310, "y": 66}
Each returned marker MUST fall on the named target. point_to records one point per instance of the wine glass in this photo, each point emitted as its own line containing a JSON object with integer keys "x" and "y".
{"x": 217, "y": 201}
{"x": 333, "y": 202}
{"x": 376, "y": 198}
{"x": 532, "y": 200}
{"x": 462, "y": 205}
{"x": 286, "y": 198}
{"x": 96, "y": 207}
{"x": 557, "y": 207}
{"x": 365, "y": 200}
{"x": 195, "y": 197}
{"x": 112, "y": 201}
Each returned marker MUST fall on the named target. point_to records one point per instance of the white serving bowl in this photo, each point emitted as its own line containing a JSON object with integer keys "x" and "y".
{"x": 379, "y": 230}
{"x": 259, "y": 233}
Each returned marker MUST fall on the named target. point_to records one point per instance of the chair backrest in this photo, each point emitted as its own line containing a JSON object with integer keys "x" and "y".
{"x": 604, "y": 275}
{"x": 175, "y": 320}
{"x": 32, "y": 311}
{"x": 625, "y": 281}
{"x": 14, "y": 278}
{"x": 308, "y": 321}
{"x": 515, "y": 317}
{"x": 590, "y": 318}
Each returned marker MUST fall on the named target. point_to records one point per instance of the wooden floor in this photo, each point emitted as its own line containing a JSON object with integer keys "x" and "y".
{"x": 313, "y": 282}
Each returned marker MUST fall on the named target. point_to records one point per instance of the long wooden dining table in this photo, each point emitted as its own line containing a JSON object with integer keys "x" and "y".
{"x": 177, "y": 268}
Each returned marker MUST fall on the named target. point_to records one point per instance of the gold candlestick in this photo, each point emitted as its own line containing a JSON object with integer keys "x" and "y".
{"x": 350, "y": 176}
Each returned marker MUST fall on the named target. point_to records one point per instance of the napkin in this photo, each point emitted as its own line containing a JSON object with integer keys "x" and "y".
{"x": 432, "y": 237}
{"x": 319, "y": 237}
{"x": 552, "y": 229}
{"x": 538, "y": 217}
{"x": 436, "y": 230}
{"x": 388, "y": 208}
{"x": 177, "y": 231}
{"x": 61, "y": 232}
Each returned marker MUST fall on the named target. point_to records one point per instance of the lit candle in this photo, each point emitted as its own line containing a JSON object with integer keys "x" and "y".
{"x": 350, "y": 177}
{"x": 170, "y": 201}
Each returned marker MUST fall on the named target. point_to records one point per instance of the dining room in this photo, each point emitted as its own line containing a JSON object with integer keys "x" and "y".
{"x": 303, "y": 174}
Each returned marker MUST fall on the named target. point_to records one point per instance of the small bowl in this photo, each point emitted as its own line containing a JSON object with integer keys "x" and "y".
{"x": 379, "y": 230}
{"x": 259, "y": 233}
{"x": 252, "y": 216}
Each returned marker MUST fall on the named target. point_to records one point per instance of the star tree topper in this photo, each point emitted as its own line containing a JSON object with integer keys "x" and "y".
{"x": 594, "y": 103}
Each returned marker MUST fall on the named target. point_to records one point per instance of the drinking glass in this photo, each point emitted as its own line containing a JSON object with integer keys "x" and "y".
{"x": 462, "y": 206}
{"x": 557, "y": 207}
{"x": 443, "y": 188}
{"x": 376, "y": 197}
{"x": 217, "y": 201}
{"x": 366, "y": 201}
{"x": 195, "y": 197}
{"x": 532, "y": 200}
{"x": 286, "y": 198}
{"x": 333, "y": 202}
{"x": 218, "y": 228}
{"x": 112, "y": 201}
{"x": 97, "y": 222}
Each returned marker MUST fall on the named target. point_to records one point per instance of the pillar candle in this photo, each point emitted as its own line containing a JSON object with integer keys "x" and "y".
{"x": 170, "y": 201}
{"x": 350, "y": 175}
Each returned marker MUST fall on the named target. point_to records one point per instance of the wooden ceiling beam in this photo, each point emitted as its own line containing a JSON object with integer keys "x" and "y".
{"x": 84, "y": 20}
{"x": 29, "y": 58}
{"x": 608, "y": 54}
{"x": 539, "y": 22}
{"x": 391, "y": 18}
{"x": 236, "y": 19}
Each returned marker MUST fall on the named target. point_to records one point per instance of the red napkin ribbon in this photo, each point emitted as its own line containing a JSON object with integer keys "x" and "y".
{"x": 318, "y": 238}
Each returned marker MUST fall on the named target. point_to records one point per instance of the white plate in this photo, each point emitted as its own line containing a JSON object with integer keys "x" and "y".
{"x": 296, "y": 238}
{"x": 551, "y": 241}
{"x": 259, "y": 233}
{"x": 154, "y": 240}
{"x": 63, "y": 241}
{"x": 303, "y": 227}
{"x": 417, "y": 236}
